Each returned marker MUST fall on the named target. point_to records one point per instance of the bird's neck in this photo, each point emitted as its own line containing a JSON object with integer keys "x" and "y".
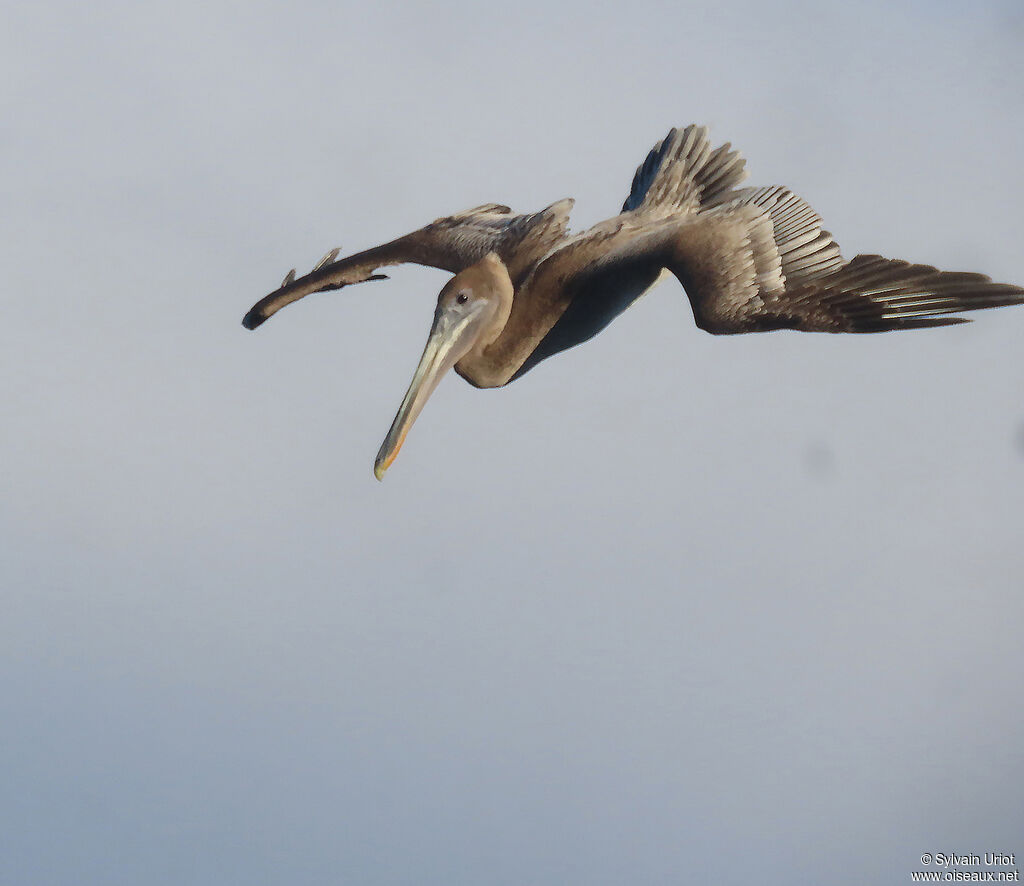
{"x": 531, "y": 315}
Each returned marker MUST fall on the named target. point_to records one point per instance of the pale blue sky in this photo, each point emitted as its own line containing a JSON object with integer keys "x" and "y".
{"x": 670, "y": 609}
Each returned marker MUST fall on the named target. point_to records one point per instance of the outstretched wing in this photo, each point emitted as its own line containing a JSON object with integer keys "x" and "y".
{"x": 451, "y": 244}
{"x": 758, "y": 261}
{"x": 761, "y": 261}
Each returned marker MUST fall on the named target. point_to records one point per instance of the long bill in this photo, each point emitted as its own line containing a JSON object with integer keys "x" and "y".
{"x": 450, "y": 339}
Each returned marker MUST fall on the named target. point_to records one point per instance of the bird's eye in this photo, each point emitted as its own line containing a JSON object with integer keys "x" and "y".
{"x": 462, "y": 298}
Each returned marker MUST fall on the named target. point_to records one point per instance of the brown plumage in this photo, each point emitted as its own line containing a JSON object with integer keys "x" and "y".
{"x": 750, "y": 260}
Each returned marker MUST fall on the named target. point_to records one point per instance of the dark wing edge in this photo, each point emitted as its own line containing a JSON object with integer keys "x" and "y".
{"x": 682, "y": 173}
{"x": 451, "y": 243}
{"x": 876, "y": 294}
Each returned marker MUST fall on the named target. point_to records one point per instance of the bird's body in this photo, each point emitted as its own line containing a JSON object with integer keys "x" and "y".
{"x": 750, "y": 260}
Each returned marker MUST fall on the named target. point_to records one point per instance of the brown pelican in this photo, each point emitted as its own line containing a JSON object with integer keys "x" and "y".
{"x": 750, "y": 260}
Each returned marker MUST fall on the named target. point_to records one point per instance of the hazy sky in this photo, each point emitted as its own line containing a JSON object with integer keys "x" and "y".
{"x": 672, "y": 608}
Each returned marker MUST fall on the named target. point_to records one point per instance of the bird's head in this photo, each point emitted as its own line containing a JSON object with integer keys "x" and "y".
{"x": 471, "y": 312}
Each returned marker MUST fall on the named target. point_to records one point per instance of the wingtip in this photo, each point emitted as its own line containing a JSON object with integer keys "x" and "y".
{"x": 252, "y": 320}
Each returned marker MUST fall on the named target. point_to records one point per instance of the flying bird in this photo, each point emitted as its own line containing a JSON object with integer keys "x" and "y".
{"x": 749, "y": 259}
